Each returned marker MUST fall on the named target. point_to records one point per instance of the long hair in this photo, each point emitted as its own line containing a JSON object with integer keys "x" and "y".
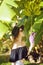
{"x": 15, "y": 31}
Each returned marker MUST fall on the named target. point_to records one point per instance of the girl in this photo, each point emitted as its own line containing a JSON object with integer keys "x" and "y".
{"x": 19, "y": 49}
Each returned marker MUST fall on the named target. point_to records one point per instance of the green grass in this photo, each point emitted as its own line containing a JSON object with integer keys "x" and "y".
{"x": 25, "y": 63}
{"x": 5, "y": 63}
{"x": 4, "y": 60}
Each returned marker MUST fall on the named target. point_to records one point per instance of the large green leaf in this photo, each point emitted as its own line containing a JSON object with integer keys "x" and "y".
{"x": 3, "y": 29}
{"x": 37, "y": 25}
{"x": 39, "y": 17}
{"x": 39, "y": 34}
{"x": 41, "y": 4}
{"x": 6, "y": 13}
{"x": 11, "y": 2}
{"x": 38, "y": 28}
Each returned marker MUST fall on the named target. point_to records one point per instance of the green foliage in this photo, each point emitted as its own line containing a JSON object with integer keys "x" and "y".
{"x": 30, "y": 13}
{"x": 6, "y": 13}
{"x": 3, "y": 29}
{"x": 5, "y": 63}
{"x": 11, "y": 3}
{"x": 37, "y": 27}
{"x": 32, "y": 10}
{"x": 41, "y": 4}
{"x": 4, "y": 49}
{"x": 25, "y": 12}
{"x": 30, "y": 7}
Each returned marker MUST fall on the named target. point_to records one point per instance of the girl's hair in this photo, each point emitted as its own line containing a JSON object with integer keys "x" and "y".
{"x": 22, "y": 27}
{"x": 16, "y": 29}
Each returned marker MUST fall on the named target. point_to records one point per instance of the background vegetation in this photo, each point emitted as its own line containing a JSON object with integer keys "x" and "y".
{"x": 23, "y": 12}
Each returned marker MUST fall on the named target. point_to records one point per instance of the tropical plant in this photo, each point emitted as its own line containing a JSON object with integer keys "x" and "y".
{"x": 23, "y": 12}
{"x": 28, "y": 12}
